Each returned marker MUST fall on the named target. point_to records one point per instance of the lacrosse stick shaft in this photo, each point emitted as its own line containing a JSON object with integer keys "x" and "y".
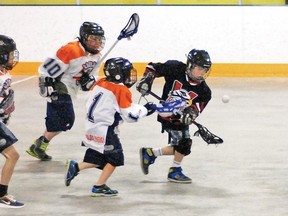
{"x": 155, "y": 95}
{"x": 102, "y": 59}
{"x": 128, "y": 31}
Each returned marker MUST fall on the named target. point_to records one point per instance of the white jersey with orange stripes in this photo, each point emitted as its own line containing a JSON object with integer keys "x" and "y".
{"x": 104, "y": 101}
{"x": 68, "y": 64}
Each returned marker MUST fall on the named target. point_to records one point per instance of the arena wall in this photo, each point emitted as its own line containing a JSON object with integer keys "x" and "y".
{"x": 247, "y": 41}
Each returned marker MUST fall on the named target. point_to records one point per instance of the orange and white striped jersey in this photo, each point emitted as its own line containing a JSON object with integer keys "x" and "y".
{"x": 108, "y": 104}
{"x": 68, "y": 64}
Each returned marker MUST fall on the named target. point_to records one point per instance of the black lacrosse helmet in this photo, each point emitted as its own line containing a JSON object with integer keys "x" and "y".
{"x": 120, "y": 70}
{"x": 91, "y": 28}
{"x": 200, "y": 58}
{"x": 8, "y": 51}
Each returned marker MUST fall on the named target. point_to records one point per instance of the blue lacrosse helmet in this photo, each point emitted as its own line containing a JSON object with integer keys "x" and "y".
{"x": 120, "y": 70}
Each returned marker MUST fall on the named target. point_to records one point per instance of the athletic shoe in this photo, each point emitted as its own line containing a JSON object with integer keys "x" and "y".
{"x": 38, "y": 150}
{"x": 103, "y": 191}
{"x": 147, "y": 158}
{"x": 9, "y": 201}
{"x": 175, "y": 175}
{"x": 70, "y": 171}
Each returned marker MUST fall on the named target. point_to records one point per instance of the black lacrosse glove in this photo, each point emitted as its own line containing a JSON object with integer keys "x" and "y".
{"x": 145, "y": 84}
{"x": 185, "y": 117}
{"x": 150, "y": 108}
{"x": 86, "y": 81}
{"x": 188, "y": 116}
{"x": 46, "y": 86}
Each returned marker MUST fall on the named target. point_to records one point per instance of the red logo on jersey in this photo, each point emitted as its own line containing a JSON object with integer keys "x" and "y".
{"x": 97, "y": 139}
{"x": 178, "y": 85}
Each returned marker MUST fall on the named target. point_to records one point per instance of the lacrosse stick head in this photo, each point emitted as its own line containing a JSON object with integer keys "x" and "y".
{"x": 131, "y": 27}
{"x": 207, "y": 135}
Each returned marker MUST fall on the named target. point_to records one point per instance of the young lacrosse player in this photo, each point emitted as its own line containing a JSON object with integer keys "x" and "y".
{"x": 9, "y": 57}
{"x": 178, "y": 77}
{"x": 109, "y": 103}
{"x": 61, "y": 76}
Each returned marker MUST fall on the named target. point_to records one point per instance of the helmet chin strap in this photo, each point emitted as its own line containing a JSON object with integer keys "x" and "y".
{"x": 87, "y": 49}
{"x": 191, "y": 81}
{"x": 2, "y": 69}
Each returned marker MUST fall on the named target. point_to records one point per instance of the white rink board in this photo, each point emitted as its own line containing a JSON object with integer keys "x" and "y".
{"x": 231, "y": 34}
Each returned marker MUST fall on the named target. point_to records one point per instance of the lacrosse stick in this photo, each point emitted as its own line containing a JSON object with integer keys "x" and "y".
{"x": 205, "y": 134}
{"x": 128, "y": 31}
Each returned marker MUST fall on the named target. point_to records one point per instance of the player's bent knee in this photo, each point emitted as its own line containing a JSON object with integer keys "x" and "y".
{"x": 184, "y": 146}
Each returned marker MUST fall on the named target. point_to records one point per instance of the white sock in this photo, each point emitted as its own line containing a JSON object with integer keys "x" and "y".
{"x": 157, "y": 151}
{"x": 176, "y": 164}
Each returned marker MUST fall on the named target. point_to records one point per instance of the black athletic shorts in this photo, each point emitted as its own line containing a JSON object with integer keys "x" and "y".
{"x": 60, "y": 114}
{"x": 7, "y": 138}
{"x": 113, "y": 153}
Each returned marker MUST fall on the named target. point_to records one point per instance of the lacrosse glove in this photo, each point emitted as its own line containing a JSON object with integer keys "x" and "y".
{"x": 189, "y": 115}
{"x": 145, "y": 84}
{"x": 185, "y": 117}
{"x": 150, "y": 108}
{"x": 46, "y": 86}
{"x": 86, "y": 81}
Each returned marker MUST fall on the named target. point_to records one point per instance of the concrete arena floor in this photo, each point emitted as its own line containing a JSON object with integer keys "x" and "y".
{"x": 245, "y": 176}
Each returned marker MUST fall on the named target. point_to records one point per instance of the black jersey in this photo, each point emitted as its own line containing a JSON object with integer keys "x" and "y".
{"x": 175, "y": 78}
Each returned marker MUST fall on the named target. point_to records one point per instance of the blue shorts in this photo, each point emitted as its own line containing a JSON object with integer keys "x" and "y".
{"x": 112, "y": 155}
{"x": 60, "y": 114}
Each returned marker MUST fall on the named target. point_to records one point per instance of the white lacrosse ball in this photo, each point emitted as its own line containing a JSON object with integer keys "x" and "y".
{"x": 225, "y": 99}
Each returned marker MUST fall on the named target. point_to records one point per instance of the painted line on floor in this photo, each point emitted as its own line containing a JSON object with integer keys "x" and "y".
{"x": 23, "y": 80}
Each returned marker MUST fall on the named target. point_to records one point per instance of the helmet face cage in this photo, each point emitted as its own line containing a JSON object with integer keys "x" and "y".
{"x": 132, "y": 79}
{"x": 90, "y": 28}
{"x": 120, "y": 70}
{"x": 200, "y": 59}
{"x": 9, "y": 55}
